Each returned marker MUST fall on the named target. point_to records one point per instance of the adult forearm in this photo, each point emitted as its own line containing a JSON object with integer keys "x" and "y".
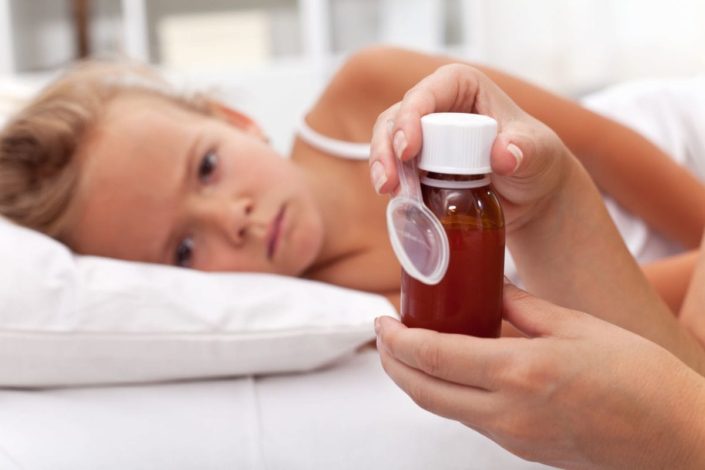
{"x": 572, "y": 254}
{"x": 692, "y": 313}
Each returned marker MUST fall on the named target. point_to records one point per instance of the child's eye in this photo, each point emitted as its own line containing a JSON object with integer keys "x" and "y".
{"x": 183, "y": 256}
{"x": 207, "y": 166}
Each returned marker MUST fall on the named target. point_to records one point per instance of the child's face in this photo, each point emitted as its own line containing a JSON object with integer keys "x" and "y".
{"x": 166, "y": 185}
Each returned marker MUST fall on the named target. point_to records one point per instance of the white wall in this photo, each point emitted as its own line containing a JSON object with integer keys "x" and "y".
{"x": 41, "y": 32}
{"x": 583, "y": 44}
{"x": 565, "y": 44}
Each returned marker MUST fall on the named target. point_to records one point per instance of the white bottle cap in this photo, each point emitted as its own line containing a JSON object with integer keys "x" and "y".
{"x": 457, "y": 143}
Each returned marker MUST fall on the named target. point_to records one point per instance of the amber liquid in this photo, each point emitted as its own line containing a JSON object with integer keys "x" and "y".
{"x": 468, "y": 300}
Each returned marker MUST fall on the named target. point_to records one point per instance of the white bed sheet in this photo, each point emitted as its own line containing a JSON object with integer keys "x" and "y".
{"x": 348, "y": 416}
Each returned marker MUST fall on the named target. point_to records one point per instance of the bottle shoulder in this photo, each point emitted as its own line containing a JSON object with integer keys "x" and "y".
{"x": 477, "y": 207}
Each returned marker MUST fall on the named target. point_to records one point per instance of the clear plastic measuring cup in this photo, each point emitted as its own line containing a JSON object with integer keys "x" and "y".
{"x": 417, "y": 236}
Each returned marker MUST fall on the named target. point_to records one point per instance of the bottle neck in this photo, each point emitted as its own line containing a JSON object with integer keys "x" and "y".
{"x": 448, "y": 181}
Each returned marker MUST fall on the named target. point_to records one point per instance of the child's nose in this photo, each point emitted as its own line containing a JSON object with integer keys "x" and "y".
{"x": 230, "y": 217}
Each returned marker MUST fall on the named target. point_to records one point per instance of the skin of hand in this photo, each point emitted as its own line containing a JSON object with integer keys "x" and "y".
{"x": 575, "y": 392}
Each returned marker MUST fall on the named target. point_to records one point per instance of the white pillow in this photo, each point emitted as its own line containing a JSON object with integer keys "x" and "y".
{"x": 68, "y": 320}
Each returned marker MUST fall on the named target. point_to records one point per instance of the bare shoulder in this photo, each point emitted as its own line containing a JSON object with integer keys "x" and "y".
{"x": 369, "y": 81}
{"x": 373, "y": 73}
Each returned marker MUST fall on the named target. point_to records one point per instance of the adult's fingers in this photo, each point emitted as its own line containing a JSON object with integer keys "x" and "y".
{"x": 397, "y": 131}
{"x": 537, "y": 317}
{"x": 455, "y": 88}
{"x": 472, "y": 406}
{"x": 451, "y": 88}
{"x": 527, "y": 161}
{"x": 465, "y": 360}
{"x": 382, "y": 162}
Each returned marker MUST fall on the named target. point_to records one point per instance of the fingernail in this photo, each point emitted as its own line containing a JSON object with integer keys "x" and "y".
{"x": 518, "y": 155}
{"x": 377, "y": 326}
{"x": 379, "y": 177}
{"x": 390, "y": 127}
{"x": 399, "y": 143}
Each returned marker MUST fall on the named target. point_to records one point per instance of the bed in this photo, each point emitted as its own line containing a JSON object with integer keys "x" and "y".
{"x": 348, "y": 415}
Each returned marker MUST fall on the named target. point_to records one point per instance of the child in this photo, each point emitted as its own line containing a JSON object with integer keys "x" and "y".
{"x": 111, "y": 162}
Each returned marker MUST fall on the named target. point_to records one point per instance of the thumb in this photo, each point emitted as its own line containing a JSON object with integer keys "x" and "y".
{"x": 534, "y": 316}
{"x": 515, "y": 151}
{"x": 528, "y": 161}
{"x": 508, "y": 153}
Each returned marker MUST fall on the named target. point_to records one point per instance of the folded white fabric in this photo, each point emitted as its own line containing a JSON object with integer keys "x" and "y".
{"x": 670, "y": 113}
{"x": 69, "y": 320}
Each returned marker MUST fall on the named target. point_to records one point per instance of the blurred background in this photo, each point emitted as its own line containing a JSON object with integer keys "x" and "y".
{"x": 282, "y": 51}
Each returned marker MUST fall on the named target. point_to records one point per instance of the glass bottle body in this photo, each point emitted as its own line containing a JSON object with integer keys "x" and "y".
{"x": 468, "y": 300}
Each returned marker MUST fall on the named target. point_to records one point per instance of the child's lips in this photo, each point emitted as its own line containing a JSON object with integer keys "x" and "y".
{"x": 274, "y": 232}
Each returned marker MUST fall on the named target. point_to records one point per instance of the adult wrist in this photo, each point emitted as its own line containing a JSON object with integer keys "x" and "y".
{"x": 692, "y": 453}
{"x": 568, "y": 239}
{"x": 565, "y": 209}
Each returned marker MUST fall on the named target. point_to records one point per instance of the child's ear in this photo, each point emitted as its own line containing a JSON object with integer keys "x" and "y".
{"x": 237, "y": 119}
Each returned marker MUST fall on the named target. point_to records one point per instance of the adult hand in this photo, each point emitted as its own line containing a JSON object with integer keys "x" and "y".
{"x": 575, "y": 392}
{"x": 558, "y": 230}
{"x": 529, "y": 161}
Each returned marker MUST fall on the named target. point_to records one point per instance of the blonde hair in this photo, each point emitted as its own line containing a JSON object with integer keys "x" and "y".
{"x": 38, "y": 166}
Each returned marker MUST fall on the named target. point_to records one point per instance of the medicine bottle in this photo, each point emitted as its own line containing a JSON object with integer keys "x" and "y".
{"x": 455, "y": 185}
